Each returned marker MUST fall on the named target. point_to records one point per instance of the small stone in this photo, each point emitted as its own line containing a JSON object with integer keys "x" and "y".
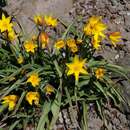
{"x": 128, "y": 6}
{"x": 117, "y": 57}
{"x": 128, "y": 13}
{"x": 128, "y": 46}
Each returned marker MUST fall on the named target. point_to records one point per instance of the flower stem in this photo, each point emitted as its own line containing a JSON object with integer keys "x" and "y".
{"x": 59, "y": 73}
{"x": 75, "y": 92}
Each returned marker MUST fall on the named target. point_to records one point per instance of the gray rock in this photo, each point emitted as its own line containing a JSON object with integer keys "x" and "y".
{"x": 24, "y": 10}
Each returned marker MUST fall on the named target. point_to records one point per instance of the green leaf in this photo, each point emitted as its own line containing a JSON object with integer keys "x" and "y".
{"x": 55, "y": 109}
{"x": 14, "y": 125}
{"x": 99, "y": 108}
{"x": 19, "y": 102}
{"x": 67, "y": 30}
{"x": 15, "y": 73}
{"x": 119, "y": 70}
{"x": 100, "y": 104}
{"x": 113, "y": 89}
{"x": 94, "y": 63}
{"x": 11, "y": 88}
{"x": 99, "y": 86}
{"x": 44, "y": 116}
{"x": 113, "y": 98}
{"x": 88, "y": 97}
{"x": 58, "y": 69}
{"x": 83, "y": 83}
{"x": 68, "y": 96}
{"x": 120, "y": 97}
{"x": 3, "y": 107}
{"x": 85, "y": 116}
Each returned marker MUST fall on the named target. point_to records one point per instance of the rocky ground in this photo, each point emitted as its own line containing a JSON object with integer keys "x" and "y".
{"x": 117, "y": 15}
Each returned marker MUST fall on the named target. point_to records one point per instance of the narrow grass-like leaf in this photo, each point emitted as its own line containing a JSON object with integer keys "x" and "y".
{"x": 99, "y": 108}
{"x": 55, "y": 109}
{"x": 85, "y": 116}
{"x": 3, "y": 107}
{"x": 119, "y": 70}
{"x": 14, "y": 125}
{"x": 94, "y": 63}
{"x": 67, "y": 30}
{"x": 68, "y": 96}
{"x": 44, "y": 116}
{"x": 15, "y": 73}
{"x": 19, "y": 102}
{"x": 14, "y": 86}
{"x": 82, "y": 83}
{"x": 99, "y": 86}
